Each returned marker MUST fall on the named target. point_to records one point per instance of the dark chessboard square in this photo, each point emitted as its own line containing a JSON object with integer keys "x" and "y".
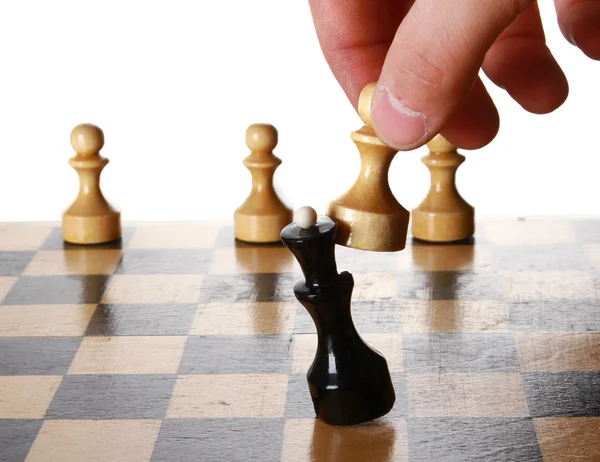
{"x": 552, "y": 257}
{"x": 55, "y": 241}
{"x": 93, "y": 397}
{"x": 474, "y": 439}
{"x": 16, "y": 438}
{"x": 575, "y": 315}
{"x": 563, "y": 394}
{"x": 372, "y": 316}
{"x": 459, "y": 352}
{"x": 237, "y": 354}
{"x": 48, "y": 290}
{"x": 299, "y": 403}
{"x": 448, "y": 285}
{"x": 142, "y": 319}
{"x": 164, "y": 261}
{"x": 14, "y": 263}
{"x": 260, "y": 287}
{"x": 37, "y": 355}
{"x": 208, "y": 440}
{"x": 587, "y": 231}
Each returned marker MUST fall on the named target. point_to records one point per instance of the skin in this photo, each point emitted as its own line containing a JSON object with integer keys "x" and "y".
{"x": 427, "y": 54}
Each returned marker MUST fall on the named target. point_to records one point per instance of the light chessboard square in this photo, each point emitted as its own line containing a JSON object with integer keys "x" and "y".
{"x": 533, "y": 231}
{"x": 558, "y": 351}
{"x": 23, "y": 237}
{"x": 229, "y": 396}
{"x": 251, "y": 318}
{"x": 128, "y": 355}
{"x": 476, "y": 394}
{"x": 26, "y": 397}
{"x": 175, "y": 236}
{"x": 6, "y": 283}
{"x": 78, "y": 261}
{"x": 95, "y": 440}
{"x": 445, "y": 258}
{"x": 164, "y": 288}
{"x": 564, "y": 439}
{"x": 252, "y": 260}
{"x": 375, "y": 441}
{"x": 45, "y": 320}
{"x": 547, "y": 285}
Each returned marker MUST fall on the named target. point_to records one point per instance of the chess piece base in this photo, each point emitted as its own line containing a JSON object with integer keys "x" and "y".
{"x": 378, "y": 232}
{"x": 443, "y": 226}
{"x": 260, "y": 228}
{"x": 92, "y": 229}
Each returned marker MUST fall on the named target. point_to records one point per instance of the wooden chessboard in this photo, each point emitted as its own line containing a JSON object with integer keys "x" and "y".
{"x": 177, "y": 344}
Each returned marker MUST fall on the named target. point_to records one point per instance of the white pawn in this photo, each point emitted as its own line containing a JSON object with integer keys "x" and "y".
{"x": 305, "y": 217}
{"x": 91, "y": 219}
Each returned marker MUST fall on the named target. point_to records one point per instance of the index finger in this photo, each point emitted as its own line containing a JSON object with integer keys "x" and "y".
{"x": 355, "y": 37}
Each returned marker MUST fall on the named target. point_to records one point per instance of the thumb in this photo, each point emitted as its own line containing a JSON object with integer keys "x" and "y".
{"x": 432, "y": 65}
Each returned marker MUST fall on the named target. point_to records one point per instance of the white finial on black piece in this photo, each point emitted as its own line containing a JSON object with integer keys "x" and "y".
{"x": 305, "y": 217}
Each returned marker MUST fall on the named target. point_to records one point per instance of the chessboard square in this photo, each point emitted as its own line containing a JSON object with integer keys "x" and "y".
{"x": 360, "y": 262}
{"x": 453, "y": 316}
{"x": 175, "y": 236}
{"x": 16, "y": 438}
{"x": 445, "y": 258}
{"x": 551, "y": 257}
{"x": 256, "y": 259}
{"x": 577, "y": 315}
{"x": 128, "y": 355}
{"x": 23, "y": 237}
{"x": 546, "y": 285}
{"x": 497, "y": 439}
{"x": 448, "y": 285}
{"x": 164, "y": 261}
{"x": 382, "y": 440}
{"x": 72, "y": 262}
{"x": 229, "y": 396}
{"x": 55, "y": 241}
{"x": 587, "y": 231}
{"x": 95, "y": 440}
{"x": 259, "y": 318}
{"x": 592, "y": 253}
{"x": 469, "y": 394}
{"x": 563, "y": 394}
{"x": 248, "y": 288}
{"x": 44, "y": 320}
{"x": 563, "y": 439}
{"x": 26, "y": 397}
{"x": 182, "y": 440}
{"x": 104, "y": 397}
{"x": 529, "y": 232}
{"x": 375, "y": 286}
{"x": 46, "y": 290}
{"x": 558, "y": 351}
{"x": 37, "y": 355}
{"x": 460, "y": 352}
{"x": 14, "y": 263}
{"x": 6, "y": 284}
{"x": 389, "y": 345}
{"x": 163, "y": 288}
{"x": 237, "y": 354}
{"x": 142, "y": 319}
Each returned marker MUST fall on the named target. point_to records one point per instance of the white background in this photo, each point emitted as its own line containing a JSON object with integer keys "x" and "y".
{"x": 175, "y": 84}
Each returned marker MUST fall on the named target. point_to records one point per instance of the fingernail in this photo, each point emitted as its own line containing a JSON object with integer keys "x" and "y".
{"x": 396, "y": 124}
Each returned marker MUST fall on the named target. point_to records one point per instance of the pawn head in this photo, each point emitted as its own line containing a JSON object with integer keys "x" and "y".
{"x": 261, "y": 137}
{"x": 87, "y": 139}
{"x": 440, "y": 144}
{"x": 364, "y": 102}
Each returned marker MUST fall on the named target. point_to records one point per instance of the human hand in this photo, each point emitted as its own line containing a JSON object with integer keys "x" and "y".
{"x": 426, "y": 56}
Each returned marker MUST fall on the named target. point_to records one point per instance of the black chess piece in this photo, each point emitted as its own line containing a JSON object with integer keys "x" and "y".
{"x": 349, "y": 381}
